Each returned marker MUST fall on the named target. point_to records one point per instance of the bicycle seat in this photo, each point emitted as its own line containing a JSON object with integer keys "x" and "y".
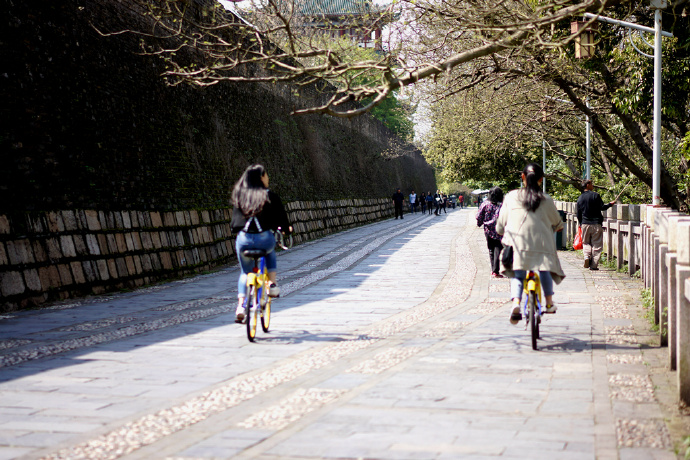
{"x": 254, "y": 253}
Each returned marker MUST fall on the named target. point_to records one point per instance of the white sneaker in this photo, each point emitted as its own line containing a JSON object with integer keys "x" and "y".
{"x": 273, "y": 290}
{"x": 551, "y": 309}
{"x": 515, "y": 315}
{"x": 239, "y": 314}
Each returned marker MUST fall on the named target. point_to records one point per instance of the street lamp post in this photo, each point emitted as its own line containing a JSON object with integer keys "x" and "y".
{"x": 658, "y": 5}
{"x": 588, "y": 142}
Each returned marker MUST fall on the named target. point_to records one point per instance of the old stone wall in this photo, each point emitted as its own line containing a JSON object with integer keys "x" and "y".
{"x": 61, "y": 254}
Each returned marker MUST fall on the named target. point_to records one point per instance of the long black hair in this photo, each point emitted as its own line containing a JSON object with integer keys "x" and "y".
{"x": 250, "y": 194}
{"x": 496, "y": 195}
{"x": 533, "y": 194}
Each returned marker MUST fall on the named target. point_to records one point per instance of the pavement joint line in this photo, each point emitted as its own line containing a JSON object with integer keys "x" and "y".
{"x": 153, "y": 427}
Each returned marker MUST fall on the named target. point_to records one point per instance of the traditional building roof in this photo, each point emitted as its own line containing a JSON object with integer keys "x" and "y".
{"x": 336, "y": 8}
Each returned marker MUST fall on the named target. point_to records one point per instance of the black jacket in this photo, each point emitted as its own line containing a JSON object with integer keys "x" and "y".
{"x": 271, "y": 217}
{"x": 589, "y": 207}
{"x": 398, "y": 198}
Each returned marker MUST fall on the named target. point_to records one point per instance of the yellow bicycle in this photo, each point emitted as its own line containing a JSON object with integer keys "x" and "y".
{"x": 257, "y": 303}
{"x": 532, "y": 306}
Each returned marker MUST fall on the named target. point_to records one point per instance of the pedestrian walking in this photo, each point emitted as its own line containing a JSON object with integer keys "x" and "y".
{"x": 398, "y": 199}
{"x": 429, "y": 201}
{"x": 487, "y": 216}
{"x": 527, "y": 220}
{"x": 444, "y": 203}
{"x": 422, "y": 203}
{"x": 590, "y": 219}
{"x": 257, "y": 212}
{"x": 461, "y": 200}
{"x": 438, "y": 197}
{"x": 413, "y": 201}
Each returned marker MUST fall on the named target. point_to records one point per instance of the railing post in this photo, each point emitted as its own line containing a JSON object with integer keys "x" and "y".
{"x": 661, "y": 230}
{"x": 683, "y": 311}
{"x": 671, "y": 263}
{"x": 644, "y": 246}
{"x": 622, "y": 217}
{"x": 634, "y": 218}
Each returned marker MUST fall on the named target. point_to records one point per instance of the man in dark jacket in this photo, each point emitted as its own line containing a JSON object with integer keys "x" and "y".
{"x": 398, "y": 199}
{"x": 589, "y": 217}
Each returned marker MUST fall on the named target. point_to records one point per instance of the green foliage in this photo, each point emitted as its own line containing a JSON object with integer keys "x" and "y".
{"x": 648, "y": 305}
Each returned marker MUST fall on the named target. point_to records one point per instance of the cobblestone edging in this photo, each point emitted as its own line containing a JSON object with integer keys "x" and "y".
{"x": 71, "y": 253}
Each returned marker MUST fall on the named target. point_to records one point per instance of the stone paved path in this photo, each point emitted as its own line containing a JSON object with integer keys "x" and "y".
{"x": 390, "y": 342}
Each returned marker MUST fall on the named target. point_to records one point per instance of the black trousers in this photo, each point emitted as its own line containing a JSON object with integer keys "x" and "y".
{"x": 495, "y": 247}
{"x": 398, "y": 210}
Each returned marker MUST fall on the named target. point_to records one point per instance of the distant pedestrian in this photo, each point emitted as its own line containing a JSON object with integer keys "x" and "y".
{"x": 429, "y": 201}
{"x": 413, "y": 202}
{"x": 461, "y": 200}
{"x": 422, "y": 203}
{"x": 589, "y": 207}
{"x": 438, "y": 197}
{"x": 444, "y": 203}
{"x": 487, "y": 216}
{"x": 398, "y": 199}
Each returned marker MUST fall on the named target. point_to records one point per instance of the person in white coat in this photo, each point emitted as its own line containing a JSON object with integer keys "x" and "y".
{"x": 527, "y": 221}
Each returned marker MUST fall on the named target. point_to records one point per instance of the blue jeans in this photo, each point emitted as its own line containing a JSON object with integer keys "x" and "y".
{"x": 516, "y": 284}
{"x": 263, "y": 240}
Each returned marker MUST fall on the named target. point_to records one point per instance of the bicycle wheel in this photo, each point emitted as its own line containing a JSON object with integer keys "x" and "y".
{"x": 266, "y": 315}
{"x": 533, "y": 318}
{"x": 252, "y": 313}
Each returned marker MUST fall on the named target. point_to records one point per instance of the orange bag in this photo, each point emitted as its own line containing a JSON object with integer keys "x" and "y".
{"x": 577, "y": 242}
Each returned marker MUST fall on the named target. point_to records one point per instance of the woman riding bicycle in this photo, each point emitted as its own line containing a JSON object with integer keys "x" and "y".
{"x": 527, "y": 221}
{"x": 257, "y": 213}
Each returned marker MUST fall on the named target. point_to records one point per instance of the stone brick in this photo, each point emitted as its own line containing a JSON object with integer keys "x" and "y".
{"x": 134, "y": 217}
{"x": 102, "y": 220}
{"x": 98, "y": 290}
{"x": 102, "y": 244}
{"x": 131, "y": 268}
{"x": 169, "y": 219}
{"x": 38, "y": 251}
{"x": 49, "y": 276}
{"x": 36, "y": 224}
{"x": 164, "y": 239}
{"x": 3, "y": 254}
{"x": 70, "y": 220}
{"x": 129, "y": 242}
{"x": 111, "y": 221}
{"x": 155, "y": 240}
{"x": 166, "y": 260}
{"x": 119, "y": 223}
{"x": 92, "y": 244}
{"x": 55, "y": 223}
{"x": 53, "y": 247}
{"x": 65, "y": 274}
{"x": 31, "y": 279}
{"x": 80, "y": 245}
{"x": 90, "y": 271}
{"x": 11, "y": 283}
{"x": 137, "y": 264}
{"x": 179, "y": 218}
{"x": 92, "y": 221}
{"x": 146, "y": 265}
{"x": 67, "y": 245}
{"x": 121, "y": 243}
{"x": 112, "y": 243}
{"x": 5, "y": 225}
{"x": 156, "y": 262}
{"x": 20, "y": 252}
{"x": 156, "y": 220}
{"x": 146, "y": 240}
{"x": 194, "y": 216}
{"x": 102, "y": 267}
{"x": 126, "y": 220}
{"x": 136, "y": 239}
{"x": 112, "y": 268}
{"x": 81, "y": 220}
{"x": 205, "y": 217}
{"x": 144, "y": 219}
{"x": 77, "y": 272}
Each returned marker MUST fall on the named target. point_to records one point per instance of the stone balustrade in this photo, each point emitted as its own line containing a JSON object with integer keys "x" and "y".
{"x": 71, "y": 253}
{"x": 654, "y": 241}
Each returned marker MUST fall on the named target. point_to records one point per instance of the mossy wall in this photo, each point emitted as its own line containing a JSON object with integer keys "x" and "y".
{"x": 87, "y": 123}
